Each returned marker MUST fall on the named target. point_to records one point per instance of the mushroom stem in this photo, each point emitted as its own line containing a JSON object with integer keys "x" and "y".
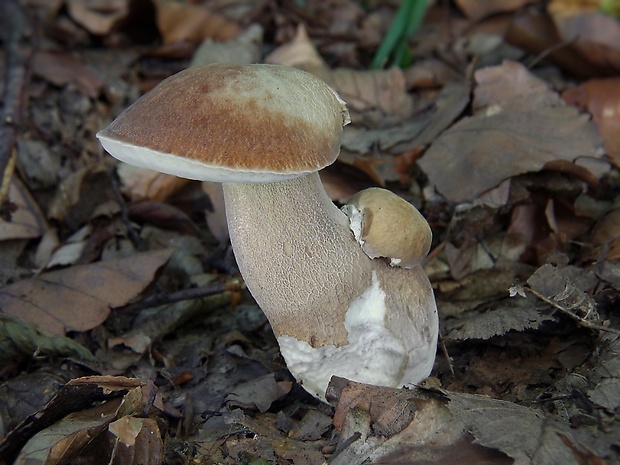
{"x": 298, "y": 256}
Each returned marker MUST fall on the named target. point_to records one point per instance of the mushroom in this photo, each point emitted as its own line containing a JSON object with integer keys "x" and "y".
{"x": 265, "y": 131}
{"x": 387, "y": 226}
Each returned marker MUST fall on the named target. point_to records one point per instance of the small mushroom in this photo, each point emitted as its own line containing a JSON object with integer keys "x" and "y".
{"x": 387, "y": 226}
{"x": 265, "y": 131}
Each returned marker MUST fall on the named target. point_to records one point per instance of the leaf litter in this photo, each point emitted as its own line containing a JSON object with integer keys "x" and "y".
{"x": 502, "y": 138}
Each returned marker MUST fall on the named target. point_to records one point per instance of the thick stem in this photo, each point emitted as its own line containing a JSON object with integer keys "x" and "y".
{"x": 298, "y": 256}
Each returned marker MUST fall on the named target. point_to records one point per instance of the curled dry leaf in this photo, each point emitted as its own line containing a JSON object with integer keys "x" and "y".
{"x": 98, "y": 16}
{"x": 476, "y": 10}
{"x": 382, "y": 90}
{"x": 81, "y": 297}
{"x": 508, "y": 135}
{"x": 188, "y": 22}
{"x": 601, "y": 98}
{"x": 26, "y": 221}
{"x": 142, "y": 184}
{"x": 592, "y": 34}
{"x": 61, "y": 69}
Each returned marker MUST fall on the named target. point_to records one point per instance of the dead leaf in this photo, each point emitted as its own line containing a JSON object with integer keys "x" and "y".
{"x": 516, "y": 314}
{"x": 98, "y": 16}
{"x": 62, "y": 69}
{"x": 142, "y": 184}
{"x": 592, "y": 34}
{"x": 27, "y": 221}
{"x": 64, "y": 440}
{"x": 260, "y": 392}
{"x": 507, "y": 136}
{"x": 243, "y": 49}
{"x": 21, "y": 339}
{"x": 601, "y": 98}
{"x": 81, "y": 297}
{"x": 188, "y": 22}
{"x": 137, "y": 441}
{"x": 382, "y": 90}
{"x": 162, "y": 215}
{"x": 476, "y": 10}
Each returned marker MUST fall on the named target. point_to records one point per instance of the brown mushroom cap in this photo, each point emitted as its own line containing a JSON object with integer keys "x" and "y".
{"x": 388, "y": 226}
{"x": 232, "y": 123}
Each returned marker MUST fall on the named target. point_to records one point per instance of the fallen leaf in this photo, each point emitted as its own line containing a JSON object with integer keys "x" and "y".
{"x": 476, "y": 10}
{"x": 21, "y": 339}
{"x": 81, "y": 297}
{"x": 27, "y": 221}
{"x": 246, "y": 48}
{"x": 516, "y": 314}
{"x": 260, "y": 392}
{"x": 98, "y": 16}
{"x": 509, "y": 135}
{"x": 64, "y": 440}
{"x": 61, "y": 69}
{"x": 189, "y": 22}
{"x": 594, "y": 35}
{"x": 143, "y": 184}
{"x": 601, "y": 98}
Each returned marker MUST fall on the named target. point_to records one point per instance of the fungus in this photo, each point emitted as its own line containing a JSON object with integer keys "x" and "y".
{"x": 265, "y": 131}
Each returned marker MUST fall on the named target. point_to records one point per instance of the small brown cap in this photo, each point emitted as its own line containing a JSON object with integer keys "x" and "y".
{"x": 232, "y": 123}
{"x": 388, "y": 226}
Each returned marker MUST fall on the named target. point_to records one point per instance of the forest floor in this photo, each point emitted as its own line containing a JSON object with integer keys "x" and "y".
{"x": 127, "y": 335}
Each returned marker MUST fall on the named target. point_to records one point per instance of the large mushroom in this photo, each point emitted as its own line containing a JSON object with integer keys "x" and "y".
{"x": 265, "y": 131}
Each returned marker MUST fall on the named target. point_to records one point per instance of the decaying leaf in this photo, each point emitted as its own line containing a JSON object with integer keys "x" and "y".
{"x": 61, "y": 69}
{"x": 19, "y": 338}
{"x": 98, "y": 16}
{"x": 509, "y": 135}
{"x": 81, "y": 297}
{"x": 516, "y": 314}
{"x": 261, "y": 392}
{"x": 180, "y": 22}
{"x": 476, "y": 10}
{"x": 527, "y": 436}
{"x": 601, "y": 98}
{"x": 27, "y": 220}
{"x": 68, "y": 427}
{"x": 567, "y": 286}
{"x": 594, "y": 35}
{"x": 143, "y": 184}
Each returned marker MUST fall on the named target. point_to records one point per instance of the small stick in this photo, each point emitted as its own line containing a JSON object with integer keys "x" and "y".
{"x": 14, "y": 29}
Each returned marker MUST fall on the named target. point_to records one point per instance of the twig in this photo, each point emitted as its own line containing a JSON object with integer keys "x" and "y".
{"x": 155, "y": 300}
{"x": 567, "y": 312}
{"x": 14, "y": 29}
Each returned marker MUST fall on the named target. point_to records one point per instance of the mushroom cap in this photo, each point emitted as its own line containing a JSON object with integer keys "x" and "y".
{"x": 232, "y": 123}
{"x": 388, "y": 226}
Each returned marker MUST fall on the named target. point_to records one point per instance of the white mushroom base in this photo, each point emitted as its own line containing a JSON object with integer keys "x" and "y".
{"x": 373, "y": 356}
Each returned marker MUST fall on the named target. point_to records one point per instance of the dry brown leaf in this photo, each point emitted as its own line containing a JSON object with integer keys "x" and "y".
{"x": 138, "y": 441}
{"x": 243, "y": 49}
{"x": 142, "y": 184}
{"x": 188, "y": 22}
{"x": 475, "y": 9}
{"x": 81, "y": 297}
{"x": 601, "y": 97}
{"x": 61, "y": 69}
{"x": 507, "y": 136}
{"x": 163, "y": 216}
{"x": 27, "y": 221}
{"x": 592, "y": 34}
{"x": 98, "y": 16}
{"x": 382, "y": 90}
{"x": 260, "y": 393}
{"x": 64, "y": 440}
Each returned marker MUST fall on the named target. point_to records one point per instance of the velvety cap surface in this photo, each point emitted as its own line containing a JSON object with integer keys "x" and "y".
{"x": 232, "y": 123}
